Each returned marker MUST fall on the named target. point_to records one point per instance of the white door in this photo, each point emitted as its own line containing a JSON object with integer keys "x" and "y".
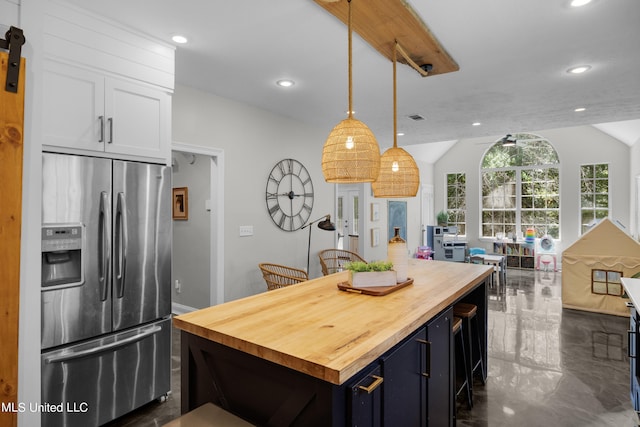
{"x": 348, "y": 218}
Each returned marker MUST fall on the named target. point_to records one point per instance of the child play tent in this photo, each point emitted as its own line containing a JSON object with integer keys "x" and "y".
{"x": 592, "y": 267}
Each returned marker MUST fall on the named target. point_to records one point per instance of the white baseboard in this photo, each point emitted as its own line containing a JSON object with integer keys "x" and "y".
{"x": 178, "y": 309}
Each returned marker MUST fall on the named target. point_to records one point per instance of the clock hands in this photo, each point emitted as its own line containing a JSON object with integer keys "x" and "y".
{"x": 291, "y": 195}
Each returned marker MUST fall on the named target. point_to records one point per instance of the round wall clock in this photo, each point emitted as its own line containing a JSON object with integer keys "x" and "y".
{"x": 289, "y": 194}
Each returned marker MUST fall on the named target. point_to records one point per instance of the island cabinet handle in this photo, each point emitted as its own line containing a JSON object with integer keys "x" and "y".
{"x": 428, "y": 344}
{"x": 377, "y": 380}
{"x": 629, "y": 336}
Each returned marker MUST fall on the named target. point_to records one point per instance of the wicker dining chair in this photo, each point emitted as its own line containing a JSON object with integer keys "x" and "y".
{"x": 332, "y": 260}
{"x": 279, "y": 276}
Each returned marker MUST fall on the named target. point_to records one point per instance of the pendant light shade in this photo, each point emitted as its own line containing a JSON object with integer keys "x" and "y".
{"x": 399, "y": 174}
{"x": 351, "y": 153}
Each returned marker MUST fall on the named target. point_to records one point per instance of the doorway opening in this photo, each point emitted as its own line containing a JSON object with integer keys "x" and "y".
{"x": 210, "y": 201}
{"x": 348, "y": 224}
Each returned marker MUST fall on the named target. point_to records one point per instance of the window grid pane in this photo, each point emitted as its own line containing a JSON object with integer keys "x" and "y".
{"x": 606, "y": 282}
{"x": 519, "y": 190}
{"x": 594, "y": 194}
{"x": 457, "y": 201}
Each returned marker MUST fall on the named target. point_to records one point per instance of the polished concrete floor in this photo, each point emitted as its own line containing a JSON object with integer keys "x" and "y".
{"x": 547, "y": 366}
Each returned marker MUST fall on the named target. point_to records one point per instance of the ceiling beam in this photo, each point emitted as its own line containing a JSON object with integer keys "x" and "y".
{"x": 383, "y": 22}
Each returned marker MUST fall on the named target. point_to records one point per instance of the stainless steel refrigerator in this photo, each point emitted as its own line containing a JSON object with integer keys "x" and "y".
{"x": 106, "y": 288}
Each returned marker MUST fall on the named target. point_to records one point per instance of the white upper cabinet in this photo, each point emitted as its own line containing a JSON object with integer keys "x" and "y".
{"x": 85, "y": 110}
{"x": 137, "y": 118}
{"x": 106, "y": 88}
{"x": 73, "y": 102}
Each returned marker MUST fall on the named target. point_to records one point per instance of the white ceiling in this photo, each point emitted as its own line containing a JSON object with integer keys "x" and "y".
{"x": 513, "y": 57}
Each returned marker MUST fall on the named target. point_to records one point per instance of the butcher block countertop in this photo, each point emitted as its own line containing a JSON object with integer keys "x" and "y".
{"x": 315, "y": 328}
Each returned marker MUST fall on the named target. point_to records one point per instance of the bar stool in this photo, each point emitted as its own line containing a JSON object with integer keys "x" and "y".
{"x": 461, "y": 362}
{"x": 473, "y": 339}
{"x": 208, "y": 415}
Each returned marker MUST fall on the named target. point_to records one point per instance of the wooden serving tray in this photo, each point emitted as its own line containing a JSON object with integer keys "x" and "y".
{"x": 375, "y": 291}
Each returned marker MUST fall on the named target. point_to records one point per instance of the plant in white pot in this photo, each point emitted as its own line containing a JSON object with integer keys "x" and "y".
{"x": 372, "y": 274}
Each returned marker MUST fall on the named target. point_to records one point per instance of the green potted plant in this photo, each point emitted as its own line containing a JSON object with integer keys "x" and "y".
{"x": 442, "y": 218}
{"x": 372, "y": 274}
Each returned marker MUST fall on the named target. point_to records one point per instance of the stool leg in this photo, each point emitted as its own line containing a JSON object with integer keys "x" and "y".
{"x": 461, "y": 356}
{"x": 480, "y": 363}
{"x": 466, "y": 330}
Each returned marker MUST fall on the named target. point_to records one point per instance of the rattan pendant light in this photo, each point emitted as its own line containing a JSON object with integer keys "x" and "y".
{"x": 351, "y": 153}
{"x": 399, "y": 174}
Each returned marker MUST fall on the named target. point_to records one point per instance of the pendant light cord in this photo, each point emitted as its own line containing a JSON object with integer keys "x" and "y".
{"x": 350, "y": 65}
{"x": 395, "y": 99}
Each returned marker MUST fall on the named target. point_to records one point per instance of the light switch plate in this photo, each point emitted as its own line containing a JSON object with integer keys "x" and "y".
{"x": 246, "y": 230}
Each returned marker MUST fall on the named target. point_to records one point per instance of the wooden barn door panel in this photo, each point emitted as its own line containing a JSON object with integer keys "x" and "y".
{"x": 11, "y": 144}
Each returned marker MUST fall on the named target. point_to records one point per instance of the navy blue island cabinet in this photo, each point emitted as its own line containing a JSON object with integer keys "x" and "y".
{"x": 412, "y": 385}
{"x": 336, "y": 358}
{"x": 634, "y": 343}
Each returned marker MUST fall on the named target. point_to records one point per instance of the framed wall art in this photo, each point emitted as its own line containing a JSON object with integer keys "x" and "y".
{"x": 375, "y": 237}
{"x": 375, "y": 212}
{"x": 180, "y": 203}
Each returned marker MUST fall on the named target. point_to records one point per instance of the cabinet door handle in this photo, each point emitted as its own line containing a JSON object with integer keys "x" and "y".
{"x": 629, "y": 336}
{"x": 428, "y": 344}
{"x": 101, "y": 118}
{"x": 110, "y": 120}
{"x": 377, "y": 380}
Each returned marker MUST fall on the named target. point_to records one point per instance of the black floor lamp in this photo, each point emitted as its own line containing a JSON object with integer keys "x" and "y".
{"x": 325, "y": 224}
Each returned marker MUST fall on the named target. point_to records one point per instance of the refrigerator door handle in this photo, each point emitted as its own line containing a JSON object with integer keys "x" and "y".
{"x": 103, "y": 348}
{"x": 104, "y": 246}
{"x": 121, "y": 244}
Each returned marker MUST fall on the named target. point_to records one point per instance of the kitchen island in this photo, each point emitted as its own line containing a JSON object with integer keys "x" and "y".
{"x": 310, "y": 354}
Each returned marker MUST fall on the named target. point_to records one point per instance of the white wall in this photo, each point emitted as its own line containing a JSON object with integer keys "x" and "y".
{"x": 9, "y": 12}
{"x": 575, "y": 146}
{"x": 253, "y": 141}
{"x": 30, "y": 21}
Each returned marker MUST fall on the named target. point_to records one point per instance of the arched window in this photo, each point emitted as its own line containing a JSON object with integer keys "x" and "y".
{"x": 521, "y": 188}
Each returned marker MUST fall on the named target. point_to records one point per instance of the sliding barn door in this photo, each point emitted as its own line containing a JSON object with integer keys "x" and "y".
{"x": 11, "y": 131}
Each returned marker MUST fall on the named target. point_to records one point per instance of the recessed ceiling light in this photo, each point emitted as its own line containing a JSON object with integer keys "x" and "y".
{"x": 285, "y": 83}
{"x": 579, "y": 69}
{"x": 476, "y": 124}
{"x": 400, "y": 134}
{"x": 579, "y": 109}
{"x": 578, "y": 3}
{"x": 179, "y": 39}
